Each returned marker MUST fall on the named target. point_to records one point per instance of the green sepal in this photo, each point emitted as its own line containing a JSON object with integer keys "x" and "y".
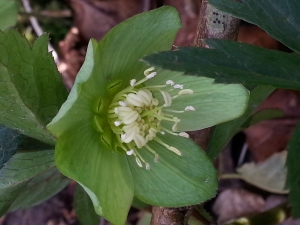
{"x": 213, "y": 103}
{"x": 101, "y": 171}
{"x": 174, "y": 180}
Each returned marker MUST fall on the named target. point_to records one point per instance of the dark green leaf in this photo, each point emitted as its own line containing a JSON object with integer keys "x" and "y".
{"x": 19, "y": 171}
{"x": 293, "y": 175}
{"x": 9, "y": 143}
{"x": 265, "y": 114}
{"x": 8, "y": 13}
{"x": 279, "y": 18}
{"x": 31, "y": 90}
{"x": 40, "y": 188}
{"x": 222, "y": 133}
{"x": 233, "y": 62}
{"x": 84, "y": 208}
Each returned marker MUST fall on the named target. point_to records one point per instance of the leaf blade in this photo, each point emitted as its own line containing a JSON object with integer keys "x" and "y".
{"x": 84, "y": 208}
{"x": 9, "y": 142}
{"x": 18, "y": 171}
{"x": 233, "y": 62}
{"x": 31, "y": 87}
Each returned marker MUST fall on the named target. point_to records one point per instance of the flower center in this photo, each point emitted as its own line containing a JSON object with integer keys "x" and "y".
{"x": 135, "y": 116}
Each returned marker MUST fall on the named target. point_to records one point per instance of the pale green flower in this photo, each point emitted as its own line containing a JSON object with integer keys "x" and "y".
{"x": 121, "y": 132}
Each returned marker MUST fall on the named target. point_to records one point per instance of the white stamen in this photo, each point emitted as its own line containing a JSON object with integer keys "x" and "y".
{"x": 129, "y": 136}
{"x": 149, "y": 70}
{"x": 178, "y": 86}
{"x": 139, "y": 140}
{"x": 145, "y": 95}
{"x": 135, "y": 100}
{"x": 132, "y": 82}
{"x": 130, "y": 152}
{"x": 154, "y": 101}
{"x": 163, "y": 133}
{"x": 189, "y": 108}
{"x": 185, "y": 92}
{"x": 131, "y": 117}
{"x": 177, "y": 120}
{"x": 175, "y": 150}
{"x": 170, "y": 82}
{"x": 130, "y": 126}
{"x": 138, "y": 161}
{"x": 116, "y": 110}
{"x": 152, "y": 132}
{"x": 123, "y": 137}
{"x": 175, "y": 127}
{"x": 121, "y": 103}
{"x": 156, "y": 158}
{"x": 184, "y": 134}
{"x": 151, "y": 75}
{"x": 148, "y": 167}
{"x": 167, "y": 98}
{"x": 117, "y": 123}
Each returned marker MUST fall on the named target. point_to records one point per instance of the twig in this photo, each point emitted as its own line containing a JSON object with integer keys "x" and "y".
{"x": 37, "y": 28}
{"x": 170, "y": 216}
{"x": 214, "y": 23}
{"x": 146, "y": 5}
{"x": 66, "y": 13}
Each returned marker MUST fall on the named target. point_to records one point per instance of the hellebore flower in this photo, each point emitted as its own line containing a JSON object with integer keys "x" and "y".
{"x": 121, "y": 132}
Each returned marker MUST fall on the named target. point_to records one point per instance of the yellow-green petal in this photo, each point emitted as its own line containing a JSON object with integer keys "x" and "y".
{"x": 119, "y": 52}
{"x": 103, "y": 173}
{"x": 174, "y": 180}
{"x": 213, "y": 103}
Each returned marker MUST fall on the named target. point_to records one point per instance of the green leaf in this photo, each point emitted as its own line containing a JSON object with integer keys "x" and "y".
{"x": 8, "y": 13}
{"x": 174, "y": 180}
{"x": 19, "y": 171}
{"x": 104, "y": 173}
{"x": 213, "y": 103}
{"x": 40, "y": 188}
{"x": 269, "y": 175}
{"x": 31, "y": 90}
{"x": 9, "y": 143}
{"x": 223, "y": 133}
{"x": 279, "y": 18}
{"x": 293, "y": 169}
{"x": 265, "y": 114}
{"x": 84, "y": 208}
{"x": 233, "y": 62}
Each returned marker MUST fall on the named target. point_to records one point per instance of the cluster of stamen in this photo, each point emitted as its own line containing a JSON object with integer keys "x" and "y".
{"x": 135, "y": 116}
